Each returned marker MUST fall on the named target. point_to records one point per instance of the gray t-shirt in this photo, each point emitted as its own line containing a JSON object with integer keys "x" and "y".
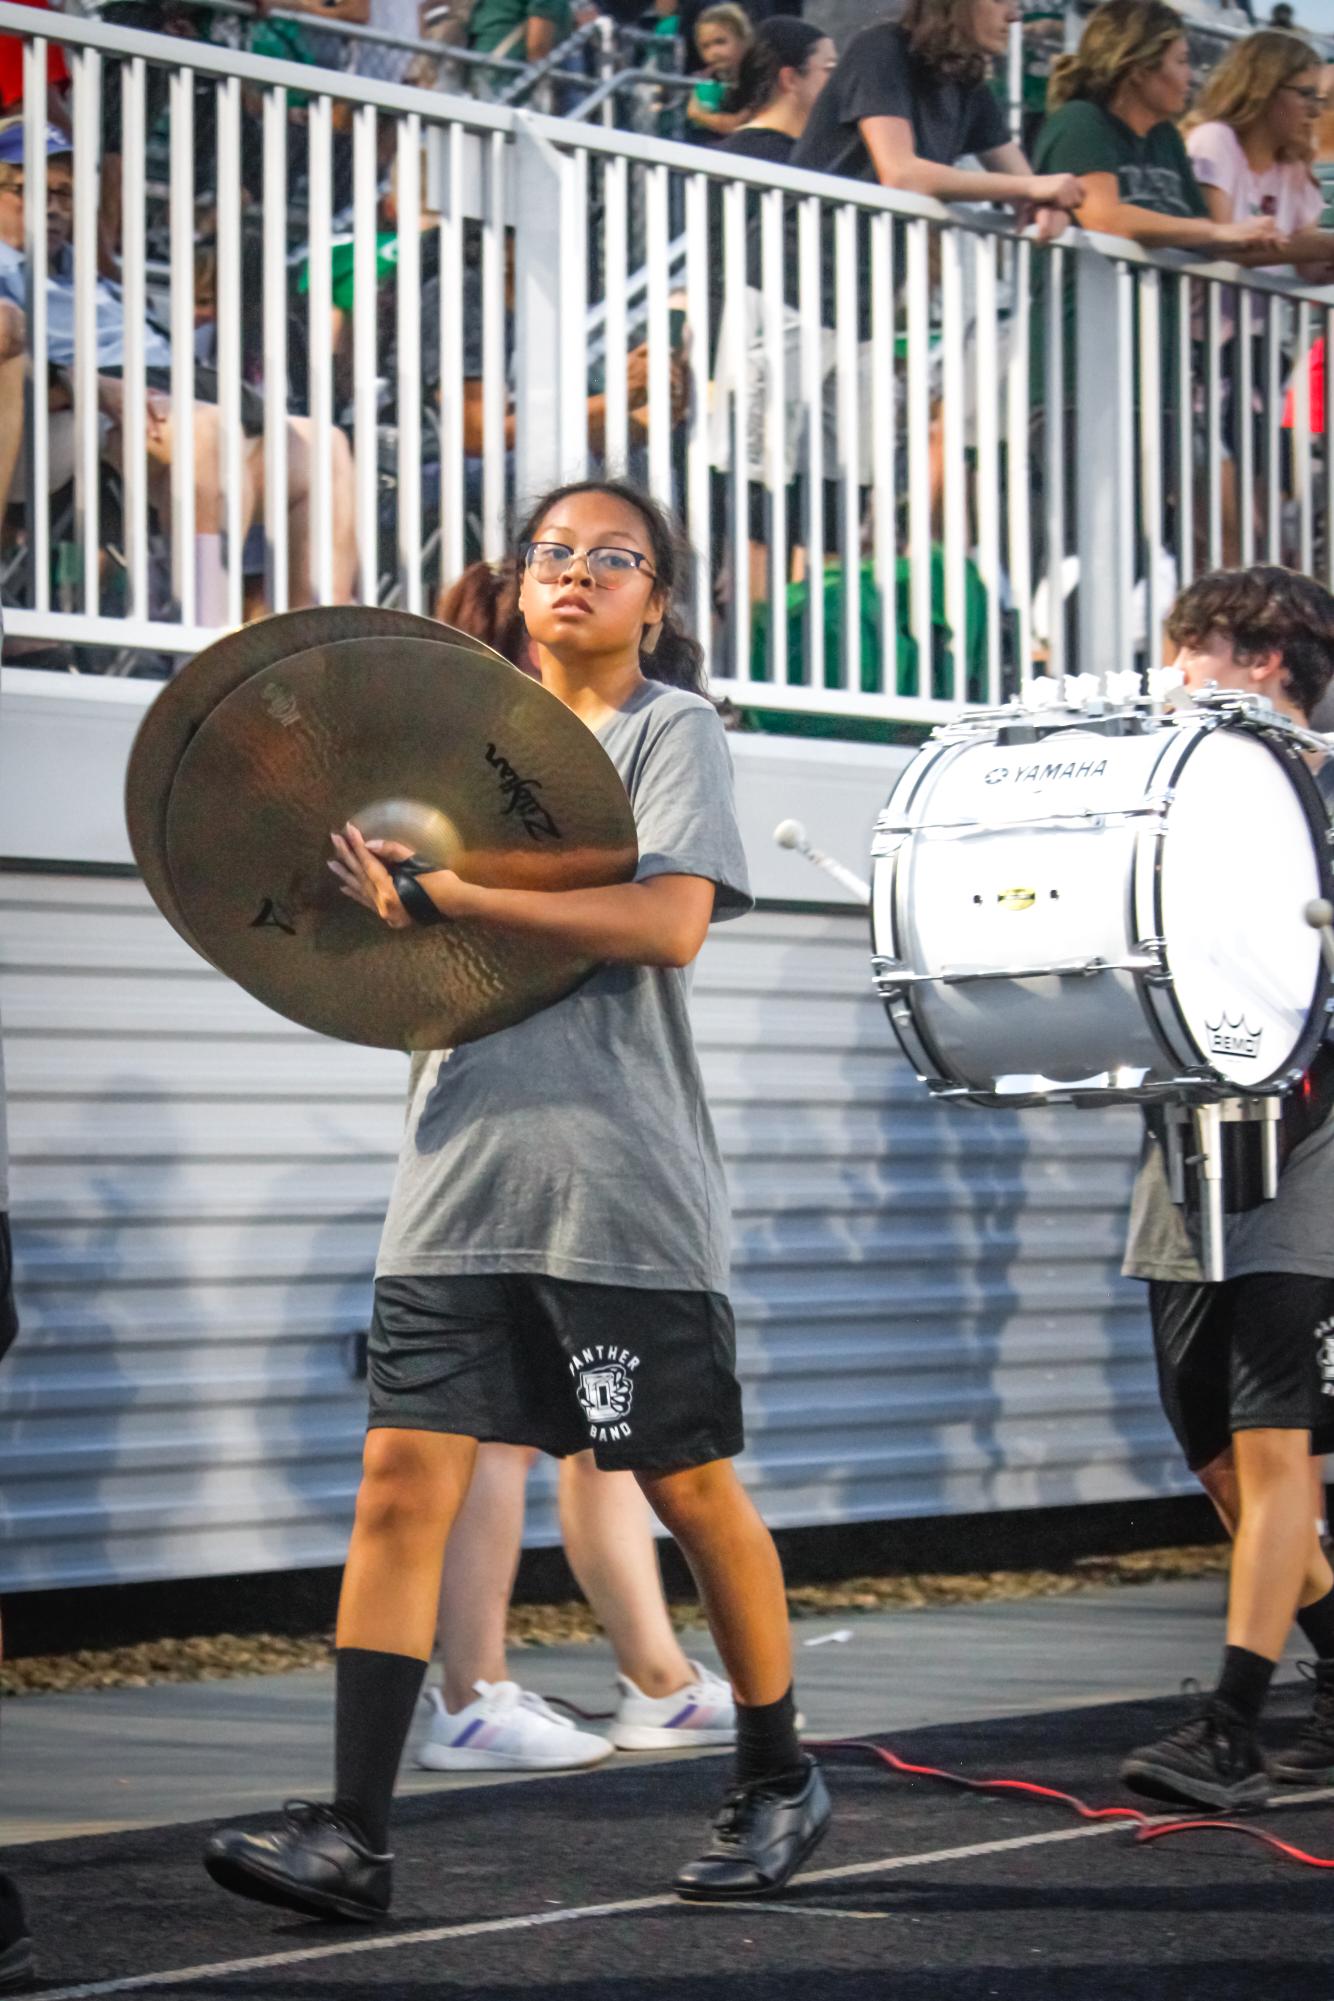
{"x": 1292, "y": 1233}
{"x": 579, "y": 1144}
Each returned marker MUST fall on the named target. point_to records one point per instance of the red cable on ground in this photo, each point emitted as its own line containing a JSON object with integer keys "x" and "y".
{"x": 1156, "y": 1830}
{"x": 1146, "y": 1827}
{"x": 1026, "y": 1786}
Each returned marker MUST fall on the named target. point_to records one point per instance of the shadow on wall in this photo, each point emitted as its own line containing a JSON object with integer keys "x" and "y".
{"x": 180, "y": 1401}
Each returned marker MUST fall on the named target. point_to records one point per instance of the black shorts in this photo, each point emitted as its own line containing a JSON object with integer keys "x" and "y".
{"x": 9, "y": 1319}
{"x": 647, "y": 1379}
{"x": 1251, "y": 1354}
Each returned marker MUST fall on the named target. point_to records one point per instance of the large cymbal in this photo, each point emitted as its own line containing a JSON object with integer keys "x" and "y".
{"x": 205, "y": 681}
{"x": 473, "y": 764}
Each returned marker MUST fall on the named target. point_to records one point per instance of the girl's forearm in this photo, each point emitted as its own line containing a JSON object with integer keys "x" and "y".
{"x": 655, "y": 923}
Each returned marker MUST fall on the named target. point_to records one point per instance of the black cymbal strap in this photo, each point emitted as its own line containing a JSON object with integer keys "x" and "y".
{"x": 411, "y": 895}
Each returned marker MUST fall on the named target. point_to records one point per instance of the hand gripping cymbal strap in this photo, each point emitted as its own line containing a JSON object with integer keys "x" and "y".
{"x": 411, "y": 895}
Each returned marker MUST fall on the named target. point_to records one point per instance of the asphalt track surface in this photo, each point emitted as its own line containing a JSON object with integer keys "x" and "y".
{"x": 920, "y": 1893}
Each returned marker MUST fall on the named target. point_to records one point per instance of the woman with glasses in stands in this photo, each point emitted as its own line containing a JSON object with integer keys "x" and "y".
{"x": 1252, "y": 140}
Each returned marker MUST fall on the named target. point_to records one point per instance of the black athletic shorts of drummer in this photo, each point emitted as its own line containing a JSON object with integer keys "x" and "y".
{"x": 1246, "y": 1367}
{"x": 553, "y": 1270}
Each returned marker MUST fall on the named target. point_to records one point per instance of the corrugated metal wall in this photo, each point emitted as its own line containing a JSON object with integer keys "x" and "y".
{"x": 929, "y": 1314}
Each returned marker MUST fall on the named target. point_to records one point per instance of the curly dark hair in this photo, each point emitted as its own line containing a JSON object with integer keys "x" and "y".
{"x": 1264, "y": 609}
{"x": 677, "y": 658}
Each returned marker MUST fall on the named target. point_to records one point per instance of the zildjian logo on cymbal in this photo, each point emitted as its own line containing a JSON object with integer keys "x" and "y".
{"x": 521, "y": 794}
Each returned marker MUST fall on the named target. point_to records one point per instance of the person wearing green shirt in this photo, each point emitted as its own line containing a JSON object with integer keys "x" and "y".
{"x": 1112, "y": 111}
{"x": 524, "y": 30}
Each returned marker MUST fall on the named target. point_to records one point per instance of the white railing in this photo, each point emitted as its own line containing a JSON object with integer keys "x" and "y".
{"x": 911, "y": 453}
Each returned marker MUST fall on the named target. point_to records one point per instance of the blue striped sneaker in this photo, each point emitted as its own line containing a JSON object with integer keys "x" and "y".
{"x": 507, "y": 1729}
{"x": 702, "y": 1712}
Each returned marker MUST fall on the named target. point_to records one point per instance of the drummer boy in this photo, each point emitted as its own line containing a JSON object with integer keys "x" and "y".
{"x": 1246, "y": 1366}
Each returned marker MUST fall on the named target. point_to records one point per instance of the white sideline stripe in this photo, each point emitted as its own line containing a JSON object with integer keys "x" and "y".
{"x": 535, "y": 1920}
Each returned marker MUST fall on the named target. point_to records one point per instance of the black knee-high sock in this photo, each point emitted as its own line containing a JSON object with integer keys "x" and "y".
{"x": 1317, "y": 1623}
{"x": 375, "y": 1696}
{"x": 767, "y": 1746}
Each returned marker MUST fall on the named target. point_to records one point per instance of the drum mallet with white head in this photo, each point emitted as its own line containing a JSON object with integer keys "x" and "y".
{"x": 791, "y": 834}
{"x": 1319, "y": 914}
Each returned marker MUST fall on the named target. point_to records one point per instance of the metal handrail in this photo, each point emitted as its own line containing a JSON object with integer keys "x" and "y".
{"x": 547, "y": 67}
{"x": 356, "y": 31}
{"x": 611, "y": 85}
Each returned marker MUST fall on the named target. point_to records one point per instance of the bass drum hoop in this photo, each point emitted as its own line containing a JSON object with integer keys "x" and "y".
{"x": 1162, "y": 1007}
{"x": 908, "y": 1028}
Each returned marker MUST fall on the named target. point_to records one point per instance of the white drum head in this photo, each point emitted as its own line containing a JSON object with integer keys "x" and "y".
{"x": 1238, "y": 865}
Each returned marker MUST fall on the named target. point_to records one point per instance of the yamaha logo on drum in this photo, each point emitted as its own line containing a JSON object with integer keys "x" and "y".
{"x": 1233, "y": 1038}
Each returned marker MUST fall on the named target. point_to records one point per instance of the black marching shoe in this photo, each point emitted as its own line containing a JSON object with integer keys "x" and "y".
{"x": 1213, "y": 1760}
{"x": 761, "y": 1837}
{"x": 316, "y": 1862}
{"x": 1310, "y": 1761}
{"x": 15, "y": 1944}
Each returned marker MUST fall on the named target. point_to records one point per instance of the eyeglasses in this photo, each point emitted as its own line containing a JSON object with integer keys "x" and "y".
{"x": 1314, "y": 100}
{"x": 548, "y": 562}
{"x": 56, "y": 197}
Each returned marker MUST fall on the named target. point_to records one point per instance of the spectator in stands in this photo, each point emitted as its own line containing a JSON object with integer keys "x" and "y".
{"x": 723, "y": 35}
{"x": 1251, "y": 140}
{"x": 109, "y": 333}
{"x": 911, "y": 97}
{"x": 392, "y": 17}
{"x": 523, "y": 30}
{"x": 679, "y": 17}
{"x": 781, "y": 75}
{"x": 470, "y": 313}
{"x": 1113, "y": 108}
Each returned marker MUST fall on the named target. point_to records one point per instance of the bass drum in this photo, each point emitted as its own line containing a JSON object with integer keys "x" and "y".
{"x": 1107, "y": 909}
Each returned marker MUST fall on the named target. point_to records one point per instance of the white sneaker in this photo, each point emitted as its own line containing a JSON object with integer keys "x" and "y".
{"x": 702, "y": 1712}
{"x": 507, "y": 1729}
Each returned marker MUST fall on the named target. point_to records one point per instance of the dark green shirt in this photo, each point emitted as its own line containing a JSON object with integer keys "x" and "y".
{"x": 1152, "y": 171}
{"x": 494, "y": 21}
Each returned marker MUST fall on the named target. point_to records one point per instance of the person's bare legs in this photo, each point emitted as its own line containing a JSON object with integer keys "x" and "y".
{"x": 479, "y": 1570}
{"x": 412, "y": 1488}
{"x": 779, "y": 1810}
{"x": 608, "y": 1537}
{"x": 607, "y": 1531}
{"x": 732, "y": 1557}
{"x": 1266, "y": 1493}
{"x": 333, "y": 1861}
{"x": 1219, "y": 1480}
{"x": 342, "y": 508}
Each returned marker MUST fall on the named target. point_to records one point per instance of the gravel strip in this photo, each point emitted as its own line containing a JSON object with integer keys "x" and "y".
{"x": 226, "y": 1655}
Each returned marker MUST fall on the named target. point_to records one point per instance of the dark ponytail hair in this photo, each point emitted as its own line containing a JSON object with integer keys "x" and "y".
{"x": 782, "y": 42}
{"x": 484, "y": 602}
{"x": 677, "y": 659}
